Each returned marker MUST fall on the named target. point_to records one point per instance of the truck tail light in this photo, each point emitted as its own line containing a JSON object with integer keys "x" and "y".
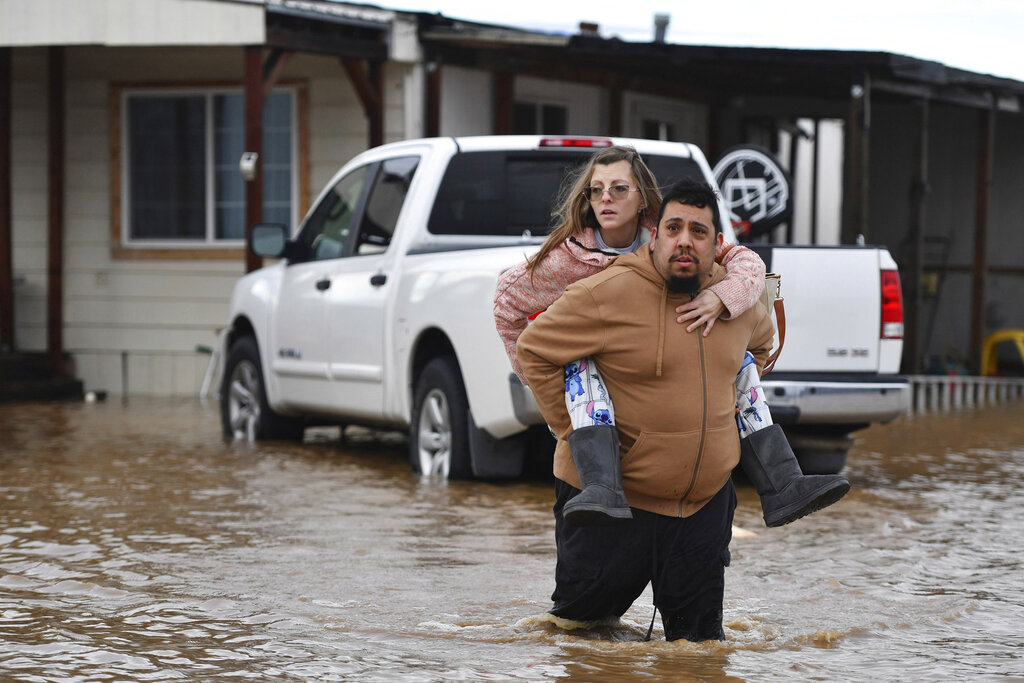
{"x": 575, "y": 142}
{"x": 892, "y": 305}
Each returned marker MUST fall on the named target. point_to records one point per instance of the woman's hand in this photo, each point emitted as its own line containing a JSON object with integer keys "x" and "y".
{"x": 704, "y": 310}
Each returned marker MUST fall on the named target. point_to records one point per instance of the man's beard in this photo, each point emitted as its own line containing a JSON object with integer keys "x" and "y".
{"x": 678, "y": 284}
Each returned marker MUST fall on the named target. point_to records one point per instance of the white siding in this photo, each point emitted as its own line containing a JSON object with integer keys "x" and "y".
{"x": 467, "y": 105}
{"x": 130, "y": 22}
{"x": 28, "y": 197}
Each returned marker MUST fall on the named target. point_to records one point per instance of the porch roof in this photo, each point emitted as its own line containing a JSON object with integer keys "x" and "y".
{"x": 711, "y": 71}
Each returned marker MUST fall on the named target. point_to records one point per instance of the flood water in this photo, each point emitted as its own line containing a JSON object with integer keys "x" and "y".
{"x": 136, "y": 545}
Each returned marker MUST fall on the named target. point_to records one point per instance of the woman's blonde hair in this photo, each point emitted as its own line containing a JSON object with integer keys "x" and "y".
{"x": 573, "y": 212}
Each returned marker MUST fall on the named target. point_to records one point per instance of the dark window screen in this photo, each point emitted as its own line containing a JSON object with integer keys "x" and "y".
{"x": 509, "y": 193}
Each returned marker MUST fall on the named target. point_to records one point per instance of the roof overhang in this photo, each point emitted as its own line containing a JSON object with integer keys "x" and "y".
{"x": 711, "y": 72}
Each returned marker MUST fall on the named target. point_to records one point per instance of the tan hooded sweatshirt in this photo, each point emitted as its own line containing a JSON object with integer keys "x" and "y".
{"x": 673, "y": 390}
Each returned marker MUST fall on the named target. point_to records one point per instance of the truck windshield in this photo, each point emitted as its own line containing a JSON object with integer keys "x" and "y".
{"x": 513, "y": 193}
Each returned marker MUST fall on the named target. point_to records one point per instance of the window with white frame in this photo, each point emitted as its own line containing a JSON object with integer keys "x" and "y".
{"x": 181, "y": 186}
{"x": 540, "y": 118}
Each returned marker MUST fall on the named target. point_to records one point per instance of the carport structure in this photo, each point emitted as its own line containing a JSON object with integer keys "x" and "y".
{"x": 912, "y": 129}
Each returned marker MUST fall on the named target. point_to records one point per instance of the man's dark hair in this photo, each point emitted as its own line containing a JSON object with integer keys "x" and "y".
{"x": 693, "y": 193}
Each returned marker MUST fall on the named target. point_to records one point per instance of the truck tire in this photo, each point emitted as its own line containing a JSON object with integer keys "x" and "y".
{"x": 244, "y": 412}
{"x": 439, "y": 431}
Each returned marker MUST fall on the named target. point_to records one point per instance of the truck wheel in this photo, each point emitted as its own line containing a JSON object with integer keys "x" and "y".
{"x": 439, "y": 433}
{"x": 244, "y": 412}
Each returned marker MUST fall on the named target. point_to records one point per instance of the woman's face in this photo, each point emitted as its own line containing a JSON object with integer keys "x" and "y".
{"x": 617, "y": 217}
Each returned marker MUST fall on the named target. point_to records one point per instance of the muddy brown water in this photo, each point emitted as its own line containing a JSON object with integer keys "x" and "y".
{"x": 136, "y": 545}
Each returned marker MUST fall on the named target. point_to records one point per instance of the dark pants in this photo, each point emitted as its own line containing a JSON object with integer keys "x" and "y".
{"x": 601, "y": 570}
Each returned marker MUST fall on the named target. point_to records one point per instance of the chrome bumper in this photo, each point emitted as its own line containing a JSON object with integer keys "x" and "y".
{"x": 840, "y": 402}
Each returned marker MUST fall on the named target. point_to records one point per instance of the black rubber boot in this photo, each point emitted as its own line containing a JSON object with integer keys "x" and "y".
{"x": 595, "y": 452}
{"x": 787, "y": 494}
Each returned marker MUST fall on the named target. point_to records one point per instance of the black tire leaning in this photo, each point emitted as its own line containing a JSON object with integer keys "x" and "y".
{"x": 244, "y": 411}
{"x": 439, "y": 430}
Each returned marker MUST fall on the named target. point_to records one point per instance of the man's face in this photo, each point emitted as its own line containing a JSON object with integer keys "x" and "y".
{"x": 683, "y": 246}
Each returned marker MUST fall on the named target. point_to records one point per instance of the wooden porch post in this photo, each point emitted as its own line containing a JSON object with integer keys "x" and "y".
{"x": 55, "y": 214}
{"x": 6, "y": 225}
{"x": 504, "y": 101}
{"x": 615, "y": 110}
{"x": 986, "y": 144}
{"x": 913, "y": 278}
{"x": 855, "y": 173}
{"x": 253, "y": 143}
{"x": 369, "y": 85}
{"x": 433, "y": 101}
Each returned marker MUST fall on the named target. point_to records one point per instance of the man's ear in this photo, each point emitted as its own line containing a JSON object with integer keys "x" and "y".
{"x": 654, "y": 236}
{"x": 719, "y": 240}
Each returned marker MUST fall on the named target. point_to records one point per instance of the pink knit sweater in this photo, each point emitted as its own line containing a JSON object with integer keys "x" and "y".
{"x": 519, "y": 296}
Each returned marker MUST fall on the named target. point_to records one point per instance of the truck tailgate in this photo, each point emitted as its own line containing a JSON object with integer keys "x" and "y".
{"x": 833, "y": 308}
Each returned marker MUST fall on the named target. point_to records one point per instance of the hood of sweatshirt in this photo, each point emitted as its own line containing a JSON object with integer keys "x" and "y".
{"x": 641, "y": 262}
{"x": 584, "y": 247}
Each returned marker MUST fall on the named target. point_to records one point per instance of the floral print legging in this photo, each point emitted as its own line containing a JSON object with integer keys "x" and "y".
{"x": 588, "y": 402}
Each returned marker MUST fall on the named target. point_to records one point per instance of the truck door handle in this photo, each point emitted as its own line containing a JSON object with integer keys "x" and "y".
{"x": 323, "y": 285}
{"x": 378, "y": 279}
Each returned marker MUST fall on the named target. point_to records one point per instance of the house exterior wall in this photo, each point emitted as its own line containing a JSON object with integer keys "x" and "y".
{"x": 28, "y": 196}
{"x": 135, "y": 324}
{"x": 130, "y": 22}
{"x": 467, "y": 102}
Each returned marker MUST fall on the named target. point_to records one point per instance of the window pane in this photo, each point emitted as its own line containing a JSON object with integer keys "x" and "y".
{"x": 658, "y": 130}
{"x": 524, "y": 118}
{"x": 277, "y": 158}
{"x": 167, "y": 183}
{"x": 555, "y": 119}
{"x": 229, "y": 142}
{"x": 385, "y": 203}
{"x": 499, "y": 193}
{"x": 327, "y": 230}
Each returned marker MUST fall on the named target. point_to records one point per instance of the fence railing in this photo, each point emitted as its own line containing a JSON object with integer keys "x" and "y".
{"x": 945, "y": 392}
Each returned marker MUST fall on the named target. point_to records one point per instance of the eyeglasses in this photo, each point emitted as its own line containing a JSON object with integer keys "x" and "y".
{"x": 595, "y": 193}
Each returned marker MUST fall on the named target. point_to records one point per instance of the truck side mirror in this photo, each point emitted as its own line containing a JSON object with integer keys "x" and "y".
{"x": 269, "y": 239}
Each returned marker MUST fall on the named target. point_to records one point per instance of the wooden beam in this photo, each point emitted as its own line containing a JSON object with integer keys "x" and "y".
{"x": 6, "y": 224}
{"x": 615, "y": 110}
{"x": 253, "y": 143}
{"x": 983, "y": 195}
{"x": 375, "y": 72}
{"x": 504, "y": 101}
{"x": 432, "y": 102}
{"x": 365, "y": 47}
{"x": 273, "y": 69}
{"x": 55, "y": 213}
{"x": 855, "y": 172}
{"x": 369, "y": 85}
{"x": 912, "y": 280}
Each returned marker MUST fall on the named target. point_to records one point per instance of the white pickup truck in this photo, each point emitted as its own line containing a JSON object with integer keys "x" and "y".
{"x": 379, "y": 311}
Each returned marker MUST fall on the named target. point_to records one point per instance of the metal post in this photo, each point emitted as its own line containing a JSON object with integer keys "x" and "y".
{"x": 55, "y": 218}
{"x": 983, "y": 192}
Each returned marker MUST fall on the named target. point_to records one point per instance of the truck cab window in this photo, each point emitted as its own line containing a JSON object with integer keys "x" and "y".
{"x": 387, "y": 196}
{"x": 330, "y": 225}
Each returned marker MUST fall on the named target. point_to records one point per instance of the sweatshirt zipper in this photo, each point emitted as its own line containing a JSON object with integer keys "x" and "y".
{"x": 703, "y": 420}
